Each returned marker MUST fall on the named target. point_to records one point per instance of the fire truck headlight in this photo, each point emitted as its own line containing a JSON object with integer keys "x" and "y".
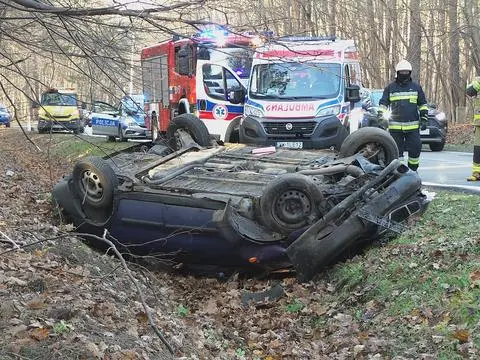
{"x": 252, "y": 111}
{"x": 331, "y": 110}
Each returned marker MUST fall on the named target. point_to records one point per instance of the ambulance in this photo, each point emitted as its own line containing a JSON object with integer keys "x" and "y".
{"x": 303, "y": 93}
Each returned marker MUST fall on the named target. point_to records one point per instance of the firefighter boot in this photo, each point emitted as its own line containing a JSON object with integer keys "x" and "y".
{"x": 474, "y": 177}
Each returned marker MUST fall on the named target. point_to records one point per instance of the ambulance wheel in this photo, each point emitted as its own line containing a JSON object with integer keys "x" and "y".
{"x": 375, "y": 144}
{"x": 187, "y": 124}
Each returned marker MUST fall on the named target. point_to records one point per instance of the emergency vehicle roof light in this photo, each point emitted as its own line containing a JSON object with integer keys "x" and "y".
{"x": 307, "y": 38}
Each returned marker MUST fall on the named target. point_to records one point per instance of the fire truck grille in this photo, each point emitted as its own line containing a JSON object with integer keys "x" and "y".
{"x": 286, "y": 127}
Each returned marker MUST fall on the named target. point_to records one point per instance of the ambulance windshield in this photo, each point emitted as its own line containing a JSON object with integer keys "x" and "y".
{"x": 292, "y": 80}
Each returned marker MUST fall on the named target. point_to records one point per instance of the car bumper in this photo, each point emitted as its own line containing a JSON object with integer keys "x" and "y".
{"x": 433, "y": 135}
{"x": 136, "y": 132}
{"x": 314, "y": 133}
{"x": 59, "y": 125}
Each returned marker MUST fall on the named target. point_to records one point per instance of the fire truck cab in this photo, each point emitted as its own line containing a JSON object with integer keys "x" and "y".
{"x": 302, "y": 93}
{"x": 196, "y": 86}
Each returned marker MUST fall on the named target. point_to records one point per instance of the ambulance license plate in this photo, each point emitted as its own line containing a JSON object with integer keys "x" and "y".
{"x": 290, "y": 144}
{"x": 425, "y": 132}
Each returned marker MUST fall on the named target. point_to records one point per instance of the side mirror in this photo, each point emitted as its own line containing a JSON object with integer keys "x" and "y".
{"x": 352, "y": 93}
{"x": 236, "y": 96}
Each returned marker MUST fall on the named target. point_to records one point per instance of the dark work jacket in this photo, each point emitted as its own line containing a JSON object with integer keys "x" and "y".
{"x": 407, "y": 103}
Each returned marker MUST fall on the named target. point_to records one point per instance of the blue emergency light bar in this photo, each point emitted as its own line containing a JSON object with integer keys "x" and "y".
{"x": 307, "y": 38}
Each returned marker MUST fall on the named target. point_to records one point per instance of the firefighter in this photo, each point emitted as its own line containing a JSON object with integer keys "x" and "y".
{"x": 472, "y": 90}
{"x": 408, "y": 112}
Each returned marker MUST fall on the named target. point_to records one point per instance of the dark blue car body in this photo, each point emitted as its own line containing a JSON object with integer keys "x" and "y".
{"x": 228, "y": 207}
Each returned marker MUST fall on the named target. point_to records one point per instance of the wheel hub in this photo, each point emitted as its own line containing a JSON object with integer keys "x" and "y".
{"x": 91, "y": 186}
{"x": 293, "y": 206}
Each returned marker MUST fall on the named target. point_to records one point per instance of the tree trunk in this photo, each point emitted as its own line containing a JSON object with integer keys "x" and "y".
{"x": 414, "y": 51}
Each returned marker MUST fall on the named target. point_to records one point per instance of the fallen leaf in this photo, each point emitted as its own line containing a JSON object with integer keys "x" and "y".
{"x": 142, "y": 318}
{"x": 475, "y": 276}
{"x": 39, "y": 334}
{"x": 36, "y": 304}
{"x": 461, "y": 335}
{"x": 211, "y": 307}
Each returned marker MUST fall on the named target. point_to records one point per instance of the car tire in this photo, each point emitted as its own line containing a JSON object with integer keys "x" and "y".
{"x": 192, "y": 125}
{"x": 437, "y": 146}
{"x": 121, "y": 138}
{"x": 375, "y": 144}
{"x": 94, "y": 182}
{"x": 7, "y": 125}
{"x": 290, "y": 202}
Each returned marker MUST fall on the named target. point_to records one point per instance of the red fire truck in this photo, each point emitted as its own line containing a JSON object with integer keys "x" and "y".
{"x": 191, "y": 86}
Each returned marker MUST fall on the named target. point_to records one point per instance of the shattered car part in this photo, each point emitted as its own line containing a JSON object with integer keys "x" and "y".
{"x": 228, "y": 207}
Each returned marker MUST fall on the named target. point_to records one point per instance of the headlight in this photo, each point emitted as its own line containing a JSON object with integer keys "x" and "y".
{"x": 252, "y": 111}
{"x": 332, "y": 110}
{"x": 440, "y": 116}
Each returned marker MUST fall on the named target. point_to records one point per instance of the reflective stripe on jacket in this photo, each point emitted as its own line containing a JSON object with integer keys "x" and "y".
{"x": 405, "y": 101}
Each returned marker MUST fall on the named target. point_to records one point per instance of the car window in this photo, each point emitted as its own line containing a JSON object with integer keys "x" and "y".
{"x": 100, "y": 107}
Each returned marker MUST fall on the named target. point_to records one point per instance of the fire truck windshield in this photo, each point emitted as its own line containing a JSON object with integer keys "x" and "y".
{"x": 239, "y": 59}
{"x": 289, "y": 80}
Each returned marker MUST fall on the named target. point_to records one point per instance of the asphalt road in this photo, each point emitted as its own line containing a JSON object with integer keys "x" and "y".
{"x": 447, "y": 169}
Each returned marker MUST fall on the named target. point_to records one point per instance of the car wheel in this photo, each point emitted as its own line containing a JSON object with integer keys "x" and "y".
{"x": 120, "y": 134}
{"x": 190, "y": 124}
{"x": 437, "y": 146}
{"x": 111, "y": 138}
{"x": 373, "y": 143}
{"x": 7, "y": 125}
{"x": 78, "y": 131}
{"x": 290, "y": 202}
{"x": 94, "y": 182}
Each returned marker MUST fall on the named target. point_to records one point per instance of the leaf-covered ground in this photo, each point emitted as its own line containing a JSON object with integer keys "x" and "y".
{"x": 415, "y": 298}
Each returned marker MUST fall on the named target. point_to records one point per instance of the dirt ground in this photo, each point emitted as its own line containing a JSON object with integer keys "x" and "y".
{"x": 59, "y": 299}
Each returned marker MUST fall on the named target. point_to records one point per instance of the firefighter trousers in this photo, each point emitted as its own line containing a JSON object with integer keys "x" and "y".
{"x": 476, "y": 151}
{"x": 411, "y": 142}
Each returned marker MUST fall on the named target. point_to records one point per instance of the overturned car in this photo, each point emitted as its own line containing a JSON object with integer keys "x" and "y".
{"x": 237, "y": 206}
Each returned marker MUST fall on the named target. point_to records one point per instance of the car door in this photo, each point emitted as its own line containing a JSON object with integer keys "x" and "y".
{"x": 104, "y": 118}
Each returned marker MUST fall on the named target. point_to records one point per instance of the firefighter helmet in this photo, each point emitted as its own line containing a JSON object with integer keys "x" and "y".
{"x": 403, "y": 65}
